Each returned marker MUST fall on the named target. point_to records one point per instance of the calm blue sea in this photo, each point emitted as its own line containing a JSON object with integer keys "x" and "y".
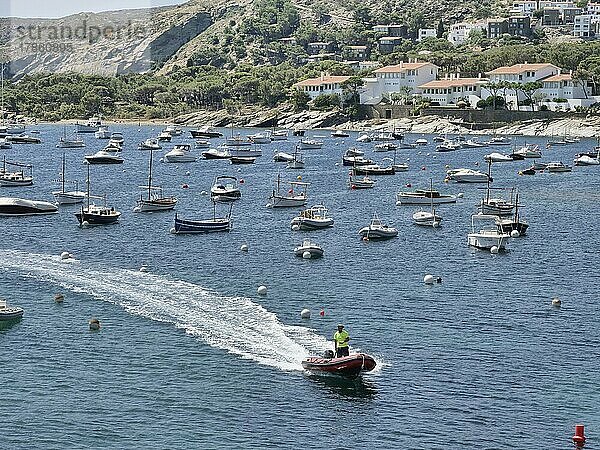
{"x": 189, "y": 356}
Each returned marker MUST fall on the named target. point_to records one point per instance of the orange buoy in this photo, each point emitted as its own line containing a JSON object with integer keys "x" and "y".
{"x": 579, "y": 437}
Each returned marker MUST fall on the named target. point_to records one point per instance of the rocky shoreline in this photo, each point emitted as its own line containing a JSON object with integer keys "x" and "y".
{"x": 285, "y": 117}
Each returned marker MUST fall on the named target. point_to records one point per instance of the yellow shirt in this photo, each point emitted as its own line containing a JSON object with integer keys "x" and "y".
{"x": 341, "y": 338}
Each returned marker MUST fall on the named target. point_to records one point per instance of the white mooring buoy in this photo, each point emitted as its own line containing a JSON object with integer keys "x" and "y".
{"x": 494, "y": 250}
{"x": 262, "y": 290}
{"x": 244, "y": 247}
{"x": 305, "y": 313}
{"x": 556, "y": 302}
{"x": 428, "y": 279}
{"x": 306, "y": 255}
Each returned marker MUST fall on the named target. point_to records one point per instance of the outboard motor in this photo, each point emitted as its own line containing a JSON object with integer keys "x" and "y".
{"x": 328, "y": 354}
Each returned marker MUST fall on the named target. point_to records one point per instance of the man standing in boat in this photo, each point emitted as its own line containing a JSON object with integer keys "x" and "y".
{"x": 341, "y": 338}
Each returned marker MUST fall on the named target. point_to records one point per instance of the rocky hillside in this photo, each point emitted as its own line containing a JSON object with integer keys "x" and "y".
{"x": 106, "y": 43}
{"x": 218, "y": 32}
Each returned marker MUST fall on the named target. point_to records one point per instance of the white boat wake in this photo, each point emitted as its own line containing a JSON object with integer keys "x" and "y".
{"x": 235, "y": 324}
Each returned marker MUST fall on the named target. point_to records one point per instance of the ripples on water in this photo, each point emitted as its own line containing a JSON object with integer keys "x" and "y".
{"x": 189, "y": 356}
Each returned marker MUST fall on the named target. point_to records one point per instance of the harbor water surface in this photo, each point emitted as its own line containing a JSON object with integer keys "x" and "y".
{"x": 189, "y": 356}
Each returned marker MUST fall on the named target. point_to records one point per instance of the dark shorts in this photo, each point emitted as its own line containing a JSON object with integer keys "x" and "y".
{"x": 342, "y": 351}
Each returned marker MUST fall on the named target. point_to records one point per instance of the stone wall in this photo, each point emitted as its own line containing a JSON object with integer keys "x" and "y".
{"x": 468, "y": 116}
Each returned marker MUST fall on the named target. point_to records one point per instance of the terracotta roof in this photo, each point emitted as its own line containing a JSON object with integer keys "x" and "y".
{"x": 402, "y": 67}
{"x": 559, "y": 77}
{"x": 519, "y": 68}
{"x": 322, "y": 80}
{"x": 451, "y": 83}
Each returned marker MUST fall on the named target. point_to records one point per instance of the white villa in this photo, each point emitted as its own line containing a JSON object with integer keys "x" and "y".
{"x": 563, "y": 86}
{"x": 525, "y": 7}
{"x": 561, "y": 5}
{"x": 459, "y": 32}
{"x": 582, "y": 26}
{"x": 425, "y": 33}
{"x": 453, "y": 89}
{"x": 404, "y": 76}
{"x": 518, "y": 73}
{"x": 325, "y": 84}
{"x": 523, "y": 73}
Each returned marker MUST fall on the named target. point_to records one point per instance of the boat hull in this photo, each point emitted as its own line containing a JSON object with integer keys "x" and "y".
{"x": 349, "y": 366}
{"x": 486, "y": 242}
{"x": 312, "y": 224}
{"x": 10, "y": 314}
{"x": 286, "y": 202}
{"x": 315, "y": 252}
{"x": 205, "y": 134}
{"x": 22, "y": 207}
{"x": 162, "y": 204}
{"x": 183, "y": 226}
{"x": 180, "y": 159}
{"x": 103, "y": 160}
{"x": 366, "y": 170}
{"x": 415, "y": 200}
{"x": 69, "y": 198}
{"x": 378, "y": 233}
{"x": 95, "y": 218}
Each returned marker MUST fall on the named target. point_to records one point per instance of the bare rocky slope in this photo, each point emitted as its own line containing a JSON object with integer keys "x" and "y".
{"x": 141, "y": 40}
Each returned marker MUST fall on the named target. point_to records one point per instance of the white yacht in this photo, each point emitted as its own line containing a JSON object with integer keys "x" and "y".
{"x": 377, "y": 230}
{"x": 293, "y": 197}
{"x": 423, "y": 197}
{"x": 225, "y": 189}
{"x": 467, "y": 176}
{"x": 102, "y": 133}
{"x": 149, "y": 144}
{"x": 91, "y": 126}
{"x": 529, "y": 151}
{"x": 310, "y": 144}
{"x": 557, "y": 167}
{"x": 497, "y": 157}
{"x": 181, "y": 153}
{"x": 314, "y": 218}
{"x": 64, "y": 197}
{"x": 308, "y": 250}
{"x": 488, "y": 236}
{"x": 260, "y": 138}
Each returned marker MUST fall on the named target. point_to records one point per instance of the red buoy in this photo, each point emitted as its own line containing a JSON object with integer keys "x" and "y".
{"x": 322, "y": 312}
{"x": 353, "y": 187}
{"x": 185, "y": 186}
{"x": 579, "y": 437}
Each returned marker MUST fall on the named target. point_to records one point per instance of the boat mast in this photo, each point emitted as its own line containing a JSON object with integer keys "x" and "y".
{"x": 62, "y": 178}
{"x": 489, "y": 177}
{"x": 88, "y": 187}
{"x": 150, "y": 175}
{"x": 431, "y": 197}
{"x": 2, "y": 77}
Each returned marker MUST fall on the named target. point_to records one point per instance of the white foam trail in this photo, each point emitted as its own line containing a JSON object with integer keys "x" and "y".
{"x": 235, "y": 324}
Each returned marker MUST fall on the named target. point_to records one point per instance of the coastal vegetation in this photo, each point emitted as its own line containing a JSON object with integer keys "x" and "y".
{"x": 255, "y": 60}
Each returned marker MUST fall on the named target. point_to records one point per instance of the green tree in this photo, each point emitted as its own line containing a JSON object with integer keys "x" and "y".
{"x": 299, "y": 99}
{"x": 440, "y": 29}
{"x": 326, "y": 101}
